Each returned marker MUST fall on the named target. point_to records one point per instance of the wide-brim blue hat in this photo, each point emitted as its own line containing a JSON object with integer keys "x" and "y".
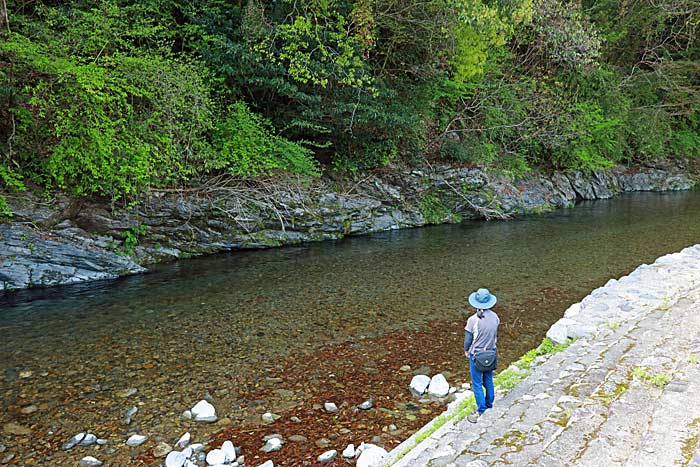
{"x": 482, "y": 299}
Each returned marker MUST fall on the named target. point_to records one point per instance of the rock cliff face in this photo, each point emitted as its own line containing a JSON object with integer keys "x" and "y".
{"x": 30, "y": 259}
{"x": 226, "y": 216}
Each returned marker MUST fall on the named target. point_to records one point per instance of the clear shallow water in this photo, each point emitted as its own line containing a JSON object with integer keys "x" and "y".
{"x": 222, "y": 322}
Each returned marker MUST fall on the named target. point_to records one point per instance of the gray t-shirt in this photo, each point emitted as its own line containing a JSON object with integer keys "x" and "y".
{"x": 484, "y": 330}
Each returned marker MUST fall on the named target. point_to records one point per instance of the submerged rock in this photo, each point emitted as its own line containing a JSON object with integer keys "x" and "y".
{"x": 129, "y": 414}
{"x": 88, "y": 440}
{"x": 162, "y": 449}
{"x": 16, "y": 429}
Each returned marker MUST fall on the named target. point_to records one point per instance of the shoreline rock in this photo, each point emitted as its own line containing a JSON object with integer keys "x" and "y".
{"x": 84, "y": 240}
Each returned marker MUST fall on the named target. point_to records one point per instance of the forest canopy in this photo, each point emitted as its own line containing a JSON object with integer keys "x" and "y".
{"x": 116, "y": 97}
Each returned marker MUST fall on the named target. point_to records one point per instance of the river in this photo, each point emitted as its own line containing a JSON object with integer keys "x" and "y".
{"x": 286, "y": 329}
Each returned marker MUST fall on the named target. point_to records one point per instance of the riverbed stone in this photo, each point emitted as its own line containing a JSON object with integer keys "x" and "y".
{"x": 88, "y": 440}
{"x": 419, "y": 384}
{"x": 272, "y": 445}
{"x": 216, "y": 456}
{"x": 328, "y": 456}
{"x": 203, "y": 411}
{"x": 366, "y": 405}
{"x": 371, "y": 456}
{"x": 197, "y": 447}
{"x": 330, "y": 407}
{"x": 438, "y": 387}
{"x": 129, "y": 414}
{"x": 184, "y": 440}
{"x": 229, "y": 450}
{"x": 162, "y": 449}
{"x": 136, "y": 440}
{"x": 175, "y": 459}
{"x": 89, "y": 461}
{"x": 323, "y": 442}
{"x": 30, "y": 409}
{"x": 74, "y": 441}
{"x": 349, "y": 451}
{"x": 16, "y": 429}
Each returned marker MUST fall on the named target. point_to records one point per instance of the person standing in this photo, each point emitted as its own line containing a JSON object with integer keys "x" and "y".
{"x": 480, "y": 338}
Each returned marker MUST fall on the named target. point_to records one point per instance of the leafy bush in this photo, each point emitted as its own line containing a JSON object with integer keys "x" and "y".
{"x": 245, "y": 144}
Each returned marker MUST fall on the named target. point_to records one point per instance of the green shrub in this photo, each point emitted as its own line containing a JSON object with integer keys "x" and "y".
{"x": 245, "y": 144}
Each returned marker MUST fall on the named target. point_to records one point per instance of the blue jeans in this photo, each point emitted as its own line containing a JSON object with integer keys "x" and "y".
{"x": 481, "y": 380}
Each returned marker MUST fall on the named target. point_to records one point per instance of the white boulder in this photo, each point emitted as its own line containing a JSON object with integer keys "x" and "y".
{"x": 197, "y": 448}
{"x": 203, "y": 411}
{"x": 371, "y": 456}
{"x": 330, "y": 407}
{"x": 88, "y": 440}
{"x": 136, "y": 440}
{"x": 89, "y": 461}
{"x": 272, "y": 445}
{"x": 175, "y": 459}
{"x": 229, "y": 450}
{"x": 419, "y": 384}
{"x": 438, "y": 387}
{"x": 216, "y": 456}
{"x": 327, "y": 456}
{"x": 184, "y": 441}
{"x": 349, "y": 452}
{"x": 74, "y": 441}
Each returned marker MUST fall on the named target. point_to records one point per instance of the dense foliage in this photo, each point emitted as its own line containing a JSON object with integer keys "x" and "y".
{"x": 114, "y": 97}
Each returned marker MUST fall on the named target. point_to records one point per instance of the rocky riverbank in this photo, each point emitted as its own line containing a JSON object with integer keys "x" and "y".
{"x": 73, "y": 240}
{"x": 624, "y": 392}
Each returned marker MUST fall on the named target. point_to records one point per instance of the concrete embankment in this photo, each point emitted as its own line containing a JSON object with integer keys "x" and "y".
{"x": 227, "y": 215}
{"x": 625, "y": 392}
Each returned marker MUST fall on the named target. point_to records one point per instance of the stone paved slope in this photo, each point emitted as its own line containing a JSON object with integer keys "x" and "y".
{"x": 625, "y": 393}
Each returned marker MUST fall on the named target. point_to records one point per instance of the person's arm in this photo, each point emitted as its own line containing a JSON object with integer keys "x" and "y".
{"x": 468, "y": 339}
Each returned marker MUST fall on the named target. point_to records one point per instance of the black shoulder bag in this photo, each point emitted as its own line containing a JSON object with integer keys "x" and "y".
{"x": 485, "y": 360}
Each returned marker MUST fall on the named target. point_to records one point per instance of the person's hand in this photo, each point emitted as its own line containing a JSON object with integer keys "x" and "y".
{"x": 466, "y": 354}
